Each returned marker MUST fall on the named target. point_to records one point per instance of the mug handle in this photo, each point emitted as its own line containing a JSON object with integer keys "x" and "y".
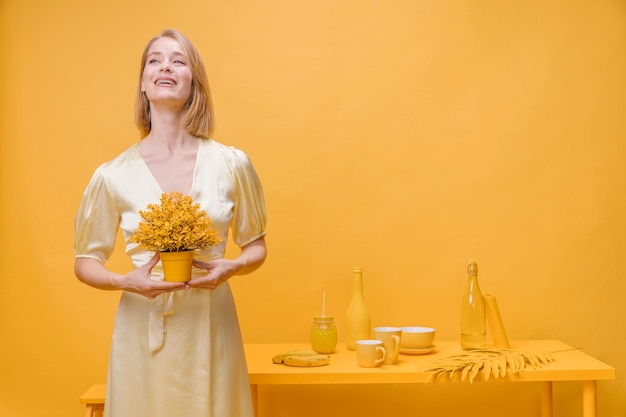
{"x": 380, "y": 351}
{"x": 396, "y": 346}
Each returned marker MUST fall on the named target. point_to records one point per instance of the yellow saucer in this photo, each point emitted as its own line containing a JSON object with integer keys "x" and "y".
{"x": 424, "y": 351}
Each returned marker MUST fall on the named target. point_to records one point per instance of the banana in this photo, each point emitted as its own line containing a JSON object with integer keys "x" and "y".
{"x": 306, "y": 361}
{"x": 302, "y": 352}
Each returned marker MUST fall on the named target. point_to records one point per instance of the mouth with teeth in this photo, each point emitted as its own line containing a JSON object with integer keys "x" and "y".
{"x": 165, "y": 82}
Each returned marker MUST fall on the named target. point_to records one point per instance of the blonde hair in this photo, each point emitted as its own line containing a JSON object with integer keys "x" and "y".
{"x": 199, "y": 118}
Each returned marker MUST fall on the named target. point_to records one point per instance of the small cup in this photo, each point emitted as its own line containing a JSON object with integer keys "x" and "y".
{"x": 390, "y": 336}
{"x": 415, "y": 337}
{"x": 370, "y": 353}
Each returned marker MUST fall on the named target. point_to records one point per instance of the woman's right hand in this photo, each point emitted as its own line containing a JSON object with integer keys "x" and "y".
{"x": 138, "y": 281}
{"x": 93, "y": 272}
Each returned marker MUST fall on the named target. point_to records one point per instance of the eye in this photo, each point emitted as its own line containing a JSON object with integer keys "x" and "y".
{"x": 153, "y": 61}
{"x": 179, "y": 62}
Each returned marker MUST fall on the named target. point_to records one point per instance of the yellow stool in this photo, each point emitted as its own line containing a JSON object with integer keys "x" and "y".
{"x": 93, "y": 399}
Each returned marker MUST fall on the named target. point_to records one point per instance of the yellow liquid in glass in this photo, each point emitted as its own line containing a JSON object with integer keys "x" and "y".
{"x": 323, "y": 338}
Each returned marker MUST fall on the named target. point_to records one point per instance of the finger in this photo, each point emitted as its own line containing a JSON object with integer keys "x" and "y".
{"x": 167, "y": 285}
{"x": 153, "y": 261}
{"x": 200, "y": 264}
{"x": 203, "y": 283}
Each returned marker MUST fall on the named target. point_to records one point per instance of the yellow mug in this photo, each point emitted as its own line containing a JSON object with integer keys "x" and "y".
{"x": 390, "y": 336}
{"x": 370, "y": 353}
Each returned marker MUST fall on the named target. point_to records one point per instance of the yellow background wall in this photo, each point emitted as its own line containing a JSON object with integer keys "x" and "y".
{"x": 403, "y": 136}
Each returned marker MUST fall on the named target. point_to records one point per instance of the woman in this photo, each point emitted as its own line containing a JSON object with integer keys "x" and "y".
{"x": 176, "y": 348}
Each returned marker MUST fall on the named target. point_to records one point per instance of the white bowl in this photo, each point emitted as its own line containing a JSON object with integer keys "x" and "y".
{"x": 417, "y": 337}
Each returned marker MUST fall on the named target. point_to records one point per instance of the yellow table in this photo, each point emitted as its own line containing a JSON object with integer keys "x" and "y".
{"x": 570, "y": 365}
{"x": 93, "y": 399}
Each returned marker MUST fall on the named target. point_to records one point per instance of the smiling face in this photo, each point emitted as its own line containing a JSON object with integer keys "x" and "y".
{"x": 166, "y": 76}
{"x": 183, "y": 86}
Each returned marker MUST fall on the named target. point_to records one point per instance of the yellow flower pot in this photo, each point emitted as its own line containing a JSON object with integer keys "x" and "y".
{"x": 177, "y": 265}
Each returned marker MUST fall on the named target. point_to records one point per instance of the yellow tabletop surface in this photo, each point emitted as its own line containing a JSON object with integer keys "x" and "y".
{"x": 94, "y": 395}
{"x": 570, "y": 365}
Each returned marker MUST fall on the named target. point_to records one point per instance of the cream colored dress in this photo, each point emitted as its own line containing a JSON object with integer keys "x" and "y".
{"x": 181, "y": 354}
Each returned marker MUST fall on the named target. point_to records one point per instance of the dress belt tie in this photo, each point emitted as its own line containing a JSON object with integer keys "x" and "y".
{"x": 162, "y": 306}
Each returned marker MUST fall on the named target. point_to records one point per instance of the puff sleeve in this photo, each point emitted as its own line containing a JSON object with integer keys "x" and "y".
{"x": 97, "y": 220}
{"x": 249, "y": 213}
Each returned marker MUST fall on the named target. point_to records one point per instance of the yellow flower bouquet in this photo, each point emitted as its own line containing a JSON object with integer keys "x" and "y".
{"x": 175, "y": 228}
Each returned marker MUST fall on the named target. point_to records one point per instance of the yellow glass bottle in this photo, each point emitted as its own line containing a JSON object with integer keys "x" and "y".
{"x": 473, "y": 327}
{"x": 357, "y": 316}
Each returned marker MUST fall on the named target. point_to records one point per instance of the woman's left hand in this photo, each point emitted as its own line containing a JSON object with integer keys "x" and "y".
{"x": 219, "y": 271}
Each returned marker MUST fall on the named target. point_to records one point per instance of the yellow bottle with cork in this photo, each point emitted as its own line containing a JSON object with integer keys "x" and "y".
{"x": 473, "y": 326}
{"x": 357, "y": 317}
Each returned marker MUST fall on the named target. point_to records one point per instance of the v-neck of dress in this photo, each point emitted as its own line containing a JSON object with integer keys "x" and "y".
{"x": 154, "y": 178}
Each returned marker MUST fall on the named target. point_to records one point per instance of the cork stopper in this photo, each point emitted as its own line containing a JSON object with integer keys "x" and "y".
{"x": 472, "y": 267}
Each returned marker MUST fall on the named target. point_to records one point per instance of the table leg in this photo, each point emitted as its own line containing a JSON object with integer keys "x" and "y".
{"x": 254, "y": 389}
{"x": 589, "y": 399}
{"x": 546, "y": 399}
{"x": 94, "y": 410}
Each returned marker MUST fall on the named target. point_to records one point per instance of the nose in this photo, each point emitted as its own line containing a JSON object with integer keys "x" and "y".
{"x": 165, "y": 66}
